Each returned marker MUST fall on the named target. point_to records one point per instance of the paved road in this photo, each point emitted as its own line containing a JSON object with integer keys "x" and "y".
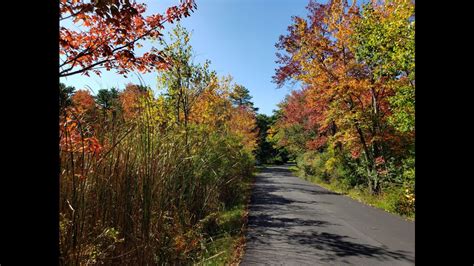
{"x": 294, "y": 222}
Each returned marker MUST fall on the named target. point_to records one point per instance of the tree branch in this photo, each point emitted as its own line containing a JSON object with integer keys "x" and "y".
{"x": 65, "y": 73}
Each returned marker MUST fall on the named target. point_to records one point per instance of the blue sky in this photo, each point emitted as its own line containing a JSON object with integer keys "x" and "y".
{"x": 237, "y": 36}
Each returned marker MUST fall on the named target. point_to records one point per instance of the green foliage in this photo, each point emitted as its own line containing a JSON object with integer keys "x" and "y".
{"x": 225, "y": 231}
{"x": 184, "y": 80}
{"x": 384, "y": 41}
{"x": 107, "y": 99}
{"x": 292, "y": 139}
{"x": 312, "y": 164}
{"x": 240, "y": 96}
{"x": 346, "y": 176}
{"x": 267, "y": 152}
{"x": 403, "y": 102}
{"x": 385, "y": 37}
{"x": 65, "y": 93}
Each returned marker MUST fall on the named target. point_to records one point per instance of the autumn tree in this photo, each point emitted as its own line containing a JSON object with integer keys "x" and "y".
{"x": 212, "y": 107}
{"x": 130, "y": 100}
{"x": 292, "y": 128}
{"x": 83, "y": 100}
{"x": 105, "y": 34}
{"x": 349, "y": 107}
{"x": 184, "y": 80}
{"x": 384, "y": 41}
{"x": 243, "y": 116}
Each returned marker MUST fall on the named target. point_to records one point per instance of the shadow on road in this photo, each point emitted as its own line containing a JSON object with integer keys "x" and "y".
{"x": 337, "y": 246}
{"x": 266, "y": 221}
{"x": 267, "y": 226}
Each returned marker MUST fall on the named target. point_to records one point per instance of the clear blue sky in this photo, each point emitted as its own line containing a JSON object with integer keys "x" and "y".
{"x": 238, "y": 36}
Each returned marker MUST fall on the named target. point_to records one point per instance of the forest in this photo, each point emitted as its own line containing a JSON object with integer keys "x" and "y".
{"x": 162, "y": 175}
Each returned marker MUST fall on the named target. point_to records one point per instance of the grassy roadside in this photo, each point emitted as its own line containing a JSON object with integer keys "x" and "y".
{"x": 382, "y": 201}
{"x": 226, "y": 246}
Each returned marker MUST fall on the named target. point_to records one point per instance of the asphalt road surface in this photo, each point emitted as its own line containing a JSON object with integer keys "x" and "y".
{"x": 294, "y": 222}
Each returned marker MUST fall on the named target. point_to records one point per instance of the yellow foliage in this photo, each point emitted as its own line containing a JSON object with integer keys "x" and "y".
{"x": 243, "y": 124}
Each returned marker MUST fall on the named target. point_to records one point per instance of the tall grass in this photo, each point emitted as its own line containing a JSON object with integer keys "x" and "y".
{"x": 139, "y": 191}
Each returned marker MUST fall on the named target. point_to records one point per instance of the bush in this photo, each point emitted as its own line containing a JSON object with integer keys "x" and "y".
{"x": 399, "y": 185}
{"x": 348, "y": 174}
{"x": 397, "y": 201}
{"x": 313, "y": 164}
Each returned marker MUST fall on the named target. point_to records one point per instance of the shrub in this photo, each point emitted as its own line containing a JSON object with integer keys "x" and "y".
{"x": 314, "y": 164}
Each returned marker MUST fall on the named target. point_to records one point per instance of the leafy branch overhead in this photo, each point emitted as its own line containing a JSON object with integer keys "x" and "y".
{"x": 106, "y": 34}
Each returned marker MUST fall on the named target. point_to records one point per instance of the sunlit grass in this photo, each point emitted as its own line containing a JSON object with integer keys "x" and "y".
{"x": 225, "y": 247}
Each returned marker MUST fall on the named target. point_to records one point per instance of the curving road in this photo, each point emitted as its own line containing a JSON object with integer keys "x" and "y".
{"x": 294, "y": 222}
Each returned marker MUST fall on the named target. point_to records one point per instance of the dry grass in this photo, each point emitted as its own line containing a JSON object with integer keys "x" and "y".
{"x": 144, "y": 198}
